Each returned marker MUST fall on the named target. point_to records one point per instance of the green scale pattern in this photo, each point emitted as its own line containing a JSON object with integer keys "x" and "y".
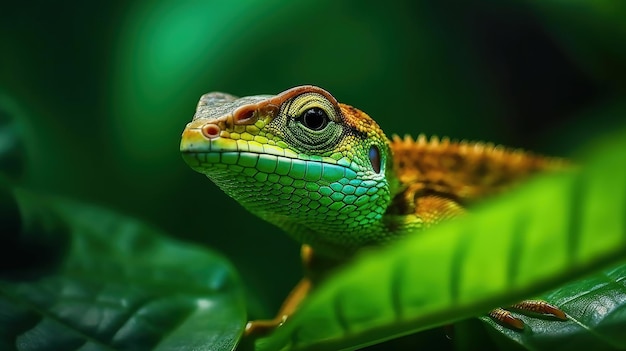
{"x": 318, "y": 188}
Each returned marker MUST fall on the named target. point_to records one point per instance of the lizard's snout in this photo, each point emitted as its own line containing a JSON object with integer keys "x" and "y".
{"x": 201, "y": 139}
{"x": 193, "y": 140}
{"x": 202, "y": 129}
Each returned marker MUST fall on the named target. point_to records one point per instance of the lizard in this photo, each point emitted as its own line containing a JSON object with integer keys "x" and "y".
{"x": 326, "y": 174}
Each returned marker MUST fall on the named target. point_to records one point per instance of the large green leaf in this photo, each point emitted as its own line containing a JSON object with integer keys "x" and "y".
{"x": 79, "y": 277}
{"x": 545, "y": 233}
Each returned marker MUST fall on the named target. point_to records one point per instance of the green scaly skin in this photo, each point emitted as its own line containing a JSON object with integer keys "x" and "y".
{"x": 325, "y": 178}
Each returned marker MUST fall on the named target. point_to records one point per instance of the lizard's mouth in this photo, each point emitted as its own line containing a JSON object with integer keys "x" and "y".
{"x": 258, "y": 160}
{"x": 195, "y": 145}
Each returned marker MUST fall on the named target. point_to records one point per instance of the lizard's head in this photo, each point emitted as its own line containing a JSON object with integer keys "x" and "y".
{"x": 300, "y": 160}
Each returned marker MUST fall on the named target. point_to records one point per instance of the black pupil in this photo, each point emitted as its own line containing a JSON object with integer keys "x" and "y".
{"x": 315, "y": 118}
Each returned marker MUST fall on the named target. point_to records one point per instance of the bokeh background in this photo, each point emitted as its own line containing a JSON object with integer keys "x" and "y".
{"x": 103, "y": 90}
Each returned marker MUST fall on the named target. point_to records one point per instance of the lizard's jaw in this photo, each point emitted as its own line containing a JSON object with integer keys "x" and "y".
{"x": 312, "y": 198}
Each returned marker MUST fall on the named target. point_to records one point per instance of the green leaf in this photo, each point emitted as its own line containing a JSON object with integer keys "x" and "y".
{"x": 545, "y": 233}
{"x": 596, "y": 307}
{"x": 84, "y": 278}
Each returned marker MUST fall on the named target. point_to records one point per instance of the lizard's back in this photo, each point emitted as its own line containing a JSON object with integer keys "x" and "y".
{"x": 462, "y": 171}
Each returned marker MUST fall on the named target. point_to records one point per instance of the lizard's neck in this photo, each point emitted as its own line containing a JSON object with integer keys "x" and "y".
{"x": 339, "y": 232}
{"x": 340, "y": 240}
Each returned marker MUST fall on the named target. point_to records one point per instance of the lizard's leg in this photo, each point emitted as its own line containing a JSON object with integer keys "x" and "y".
{"x": 315, "y": 268}
{"x": 265, "y": 326}
{"x": 432, "y": 209}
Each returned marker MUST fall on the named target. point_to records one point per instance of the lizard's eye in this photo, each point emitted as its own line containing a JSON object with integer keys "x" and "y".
{"x": 311, "y": 122}
{"x": 314, "y": 118}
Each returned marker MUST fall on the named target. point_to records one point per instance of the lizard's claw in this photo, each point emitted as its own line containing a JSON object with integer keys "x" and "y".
{"x": 260, "y": 328}
{"x": 540, "y": 307}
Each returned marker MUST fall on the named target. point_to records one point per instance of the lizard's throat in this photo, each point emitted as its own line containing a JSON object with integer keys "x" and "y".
{"x": 337, "y": 213}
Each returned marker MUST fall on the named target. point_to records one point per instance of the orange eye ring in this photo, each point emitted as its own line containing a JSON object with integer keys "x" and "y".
{"x": 210, "y": 131}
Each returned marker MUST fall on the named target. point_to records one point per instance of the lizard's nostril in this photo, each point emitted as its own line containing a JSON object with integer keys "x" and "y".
{"x": 210, "y": 130}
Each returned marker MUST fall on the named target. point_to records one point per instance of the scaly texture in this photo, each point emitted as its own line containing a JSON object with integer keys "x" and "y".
{"x": 463, "y": 170}
{"x": 327, "y": 175}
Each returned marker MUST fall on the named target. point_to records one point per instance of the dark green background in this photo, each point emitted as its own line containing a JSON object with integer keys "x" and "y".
{"x": 103, "y": 91}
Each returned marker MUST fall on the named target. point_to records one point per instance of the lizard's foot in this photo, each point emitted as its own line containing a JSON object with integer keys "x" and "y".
{"x": 540, "y": 307}
{"x": 263, "y": 327}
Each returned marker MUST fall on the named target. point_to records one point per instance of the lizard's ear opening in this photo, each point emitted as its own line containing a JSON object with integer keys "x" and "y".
{"x": 374, "y": 155}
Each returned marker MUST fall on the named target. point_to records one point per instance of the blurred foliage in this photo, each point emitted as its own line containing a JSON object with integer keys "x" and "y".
{"x": 101, "y": 92}
{"x": 74, "y": 276}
